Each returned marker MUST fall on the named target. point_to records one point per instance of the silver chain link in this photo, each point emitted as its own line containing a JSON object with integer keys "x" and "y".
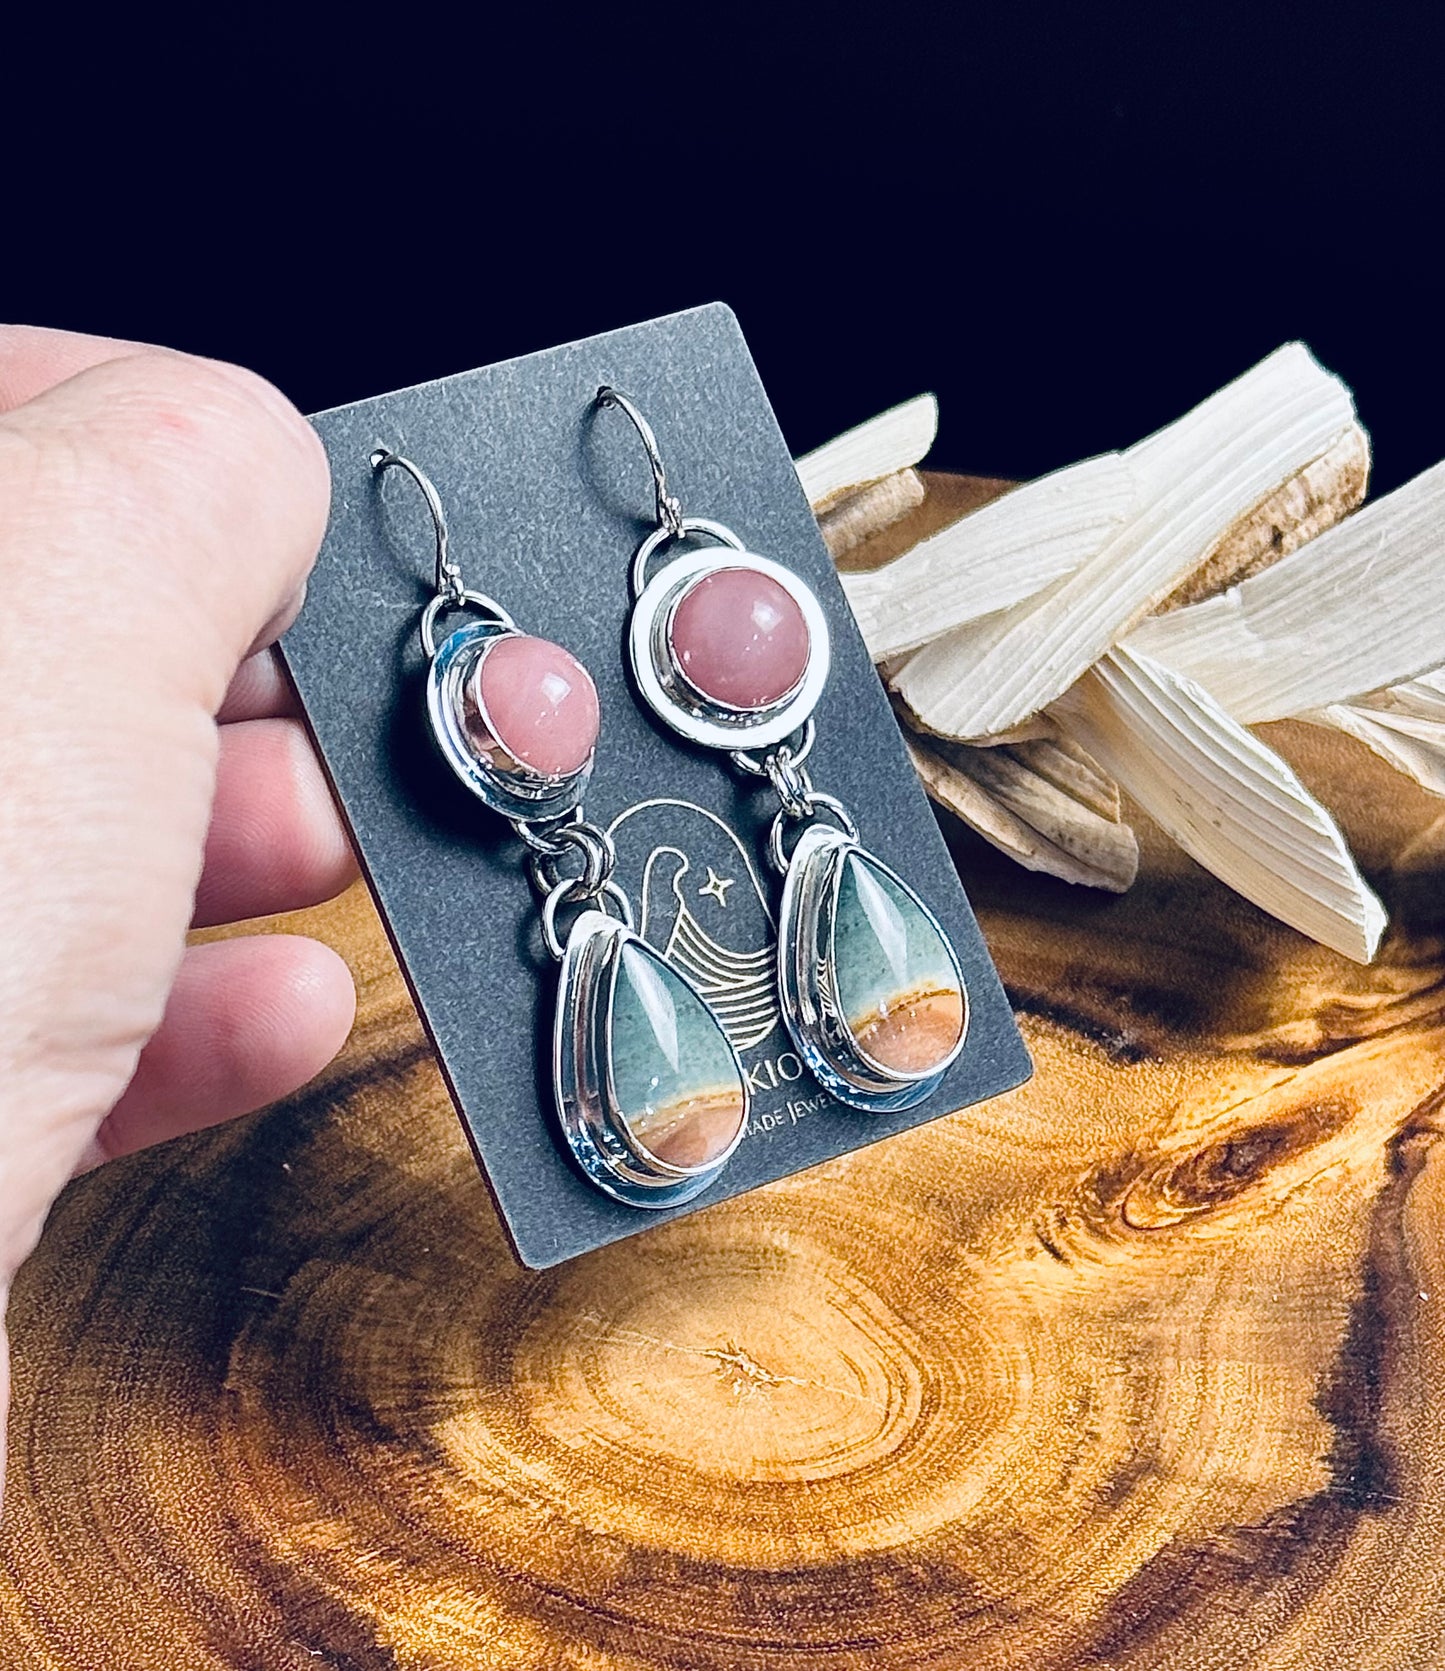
{"x": 818, "y": 806}
{"x": 552, "y": 848}
{"x": 791, "y": 782}
{"x": 798, "y": 801}
{"x": 755, "y": 765}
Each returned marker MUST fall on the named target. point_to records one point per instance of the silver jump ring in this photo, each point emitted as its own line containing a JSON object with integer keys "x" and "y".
{"x": 791, "y": 783}
{"x": 599, "y": 856}
{"x": 478, "y": 601}
{"x": 659, "y": 537}
{"x": 595, "y": 846}
{"x": 546, "y": 871}
{"x": 777, "y": 852}
{"x": 755, "y": 767}
{"x": 545, "y": 840}
{"x": 569, "y": 893}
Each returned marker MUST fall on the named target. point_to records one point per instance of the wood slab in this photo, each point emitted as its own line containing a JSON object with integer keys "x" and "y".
{"x": 1141, "y": 1366}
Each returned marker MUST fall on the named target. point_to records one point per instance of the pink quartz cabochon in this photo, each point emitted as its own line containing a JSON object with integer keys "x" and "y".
{"x": 740, "y": 638}
{"x": 541, "y": 703}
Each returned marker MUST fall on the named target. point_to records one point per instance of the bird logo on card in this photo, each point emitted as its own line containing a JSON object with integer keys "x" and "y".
{"x": 698, "y": 898}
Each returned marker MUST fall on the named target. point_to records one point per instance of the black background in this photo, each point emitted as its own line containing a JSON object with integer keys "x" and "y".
{"x": 1069, "y": 221}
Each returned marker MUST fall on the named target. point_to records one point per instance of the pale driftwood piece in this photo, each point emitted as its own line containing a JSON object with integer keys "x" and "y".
{"x": 1411, "y": 745}
{"x": 1229, "y": 801}
{"x": 1404, "y": 724}
{"x": 1198, "y": 478}
{"x": 1061, "y": 792}
{"x": 946, "y": 500}
{"x": 1061, "y": 762}
{"x": 858, "y": 516}
{"x": 1359, "y": 608}
{"x": 1423, "y": 696}
{"x": 997, "y": 556}
{"x": 894, "y": 440}
{"x": 1321, "y": 495}
{"x": 1026, "y": 816}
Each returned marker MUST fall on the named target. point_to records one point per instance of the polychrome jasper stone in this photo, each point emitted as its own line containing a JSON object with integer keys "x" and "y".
{"x": 898, "y": 986}
{"x": 870, "y": 988}
{"x": 675, "y": 1080}
{"x": 650, "y": 1093}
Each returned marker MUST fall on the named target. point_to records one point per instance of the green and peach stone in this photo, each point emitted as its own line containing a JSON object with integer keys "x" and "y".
{"x": 675, "y": 1078}
{"x": 898, "y": 984}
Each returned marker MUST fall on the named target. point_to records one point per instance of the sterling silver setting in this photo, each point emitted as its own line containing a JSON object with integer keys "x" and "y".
{"x": 462, "y": 727}
{"x": 660, "y": 679}
{"x": 808, "y": 979}
{"x": 582, "y": 1069}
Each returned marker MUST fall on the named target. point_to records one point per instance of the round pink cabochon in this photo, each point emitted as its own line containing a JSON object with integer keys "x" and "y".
{"x": 541, "y": 702}
{"x": 740, "y": 638}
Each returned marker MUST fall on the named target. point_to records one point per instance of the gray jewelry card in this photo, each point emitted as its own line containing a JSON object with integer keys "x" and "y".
{"x": 547, "y": 498}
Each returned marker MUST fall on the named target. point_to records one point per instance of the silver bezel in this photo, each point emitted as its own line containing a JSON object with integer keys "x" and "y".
{"x": 808, "y": 980}
{"x": 673, "y": 697}
{"x": 582, "y": 1074}
{"x": 507, "y": 786}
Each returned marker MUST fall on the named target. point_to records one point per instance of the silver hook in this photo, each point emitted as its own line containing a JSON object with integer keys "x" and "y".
{"x": 449, "y": 575}
{"x": 669, "y": 510}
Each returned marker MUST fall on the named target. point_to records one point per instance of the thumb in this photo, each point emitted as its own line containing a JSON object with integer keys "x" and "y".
{"x": 179, "y": 502}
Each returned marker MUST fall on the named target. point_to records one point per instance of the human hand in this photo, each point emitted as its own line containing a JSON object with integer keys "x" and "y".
{"x": 158, "y": 517}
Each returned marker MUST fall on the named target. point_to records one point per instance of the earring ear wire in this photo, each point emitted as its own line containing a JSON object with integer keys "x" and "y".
{"x": 667, "y": 508}
{"x": 448, "y": 576}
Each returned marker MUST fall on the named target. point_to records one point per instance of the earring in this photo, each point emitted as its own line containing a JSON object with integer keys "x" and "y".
{"x": 730, "y": 650}
{"x": 651, "y": 1096}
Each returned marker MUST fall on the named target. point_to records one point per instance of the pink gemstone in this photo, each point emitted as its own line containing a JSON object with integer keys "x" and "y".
{"x": 740, "y": 638}
{"x": 541, "y": 703}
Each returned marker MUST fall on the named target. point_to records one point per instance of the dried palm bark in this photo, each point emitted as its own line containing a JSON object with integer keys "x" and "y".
{"x": 1045, "y": 802}
{"x": 1196, "y": 480}
{"x": 1324, "y": 491}
{"x": 1404, "y": 725}
{"x": 1228, "y": 800}
{"x": 860, "y": 515}
{"x": 1226, "y": 583}
{"x": 1006, "y": 552}
{"x": 1355, "y": 610}
{"x": 894, "y": 440}
{"x": 864, "y": 479}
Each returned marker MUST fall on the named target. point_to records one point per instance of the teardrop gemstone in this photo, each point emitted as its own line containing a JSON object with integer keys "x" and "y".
{"x": 898, "y": 983}
{"x": 675, "y": 1079}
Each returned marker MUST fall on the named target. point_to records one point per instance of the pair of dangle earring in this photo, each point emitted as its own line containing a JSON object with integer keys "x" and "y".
{"x": 730, "y": 651}
{"x": 651, "y": 1096}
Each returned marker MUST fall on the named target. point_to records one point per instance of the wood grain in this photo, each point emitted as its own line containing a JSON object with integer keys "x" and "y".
{"x": 1142, "y": 1366}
